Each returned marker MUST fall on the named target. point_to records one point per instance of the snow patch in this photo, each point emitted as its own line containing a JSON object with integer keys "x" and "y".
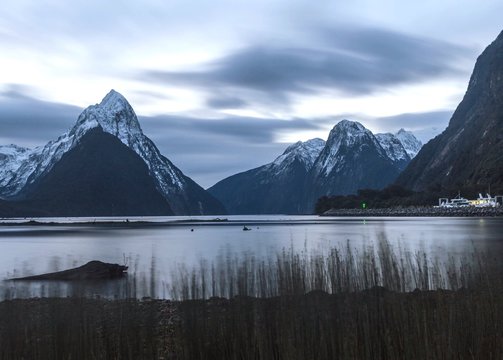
{"x": 411, "y": 144}
{"x": 393, "y": 147}
{"x": 304, "y": 152}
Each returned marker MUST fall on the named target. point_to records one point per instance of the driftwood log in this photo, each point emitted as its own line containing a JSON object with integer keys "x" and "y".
{"x": 93, "y": 270}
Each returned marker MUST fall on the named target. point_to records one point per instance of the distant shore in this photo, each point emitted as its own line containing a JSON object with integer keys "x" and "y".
{"x": 118, "y": 222}
{"x": 426, "y": 211}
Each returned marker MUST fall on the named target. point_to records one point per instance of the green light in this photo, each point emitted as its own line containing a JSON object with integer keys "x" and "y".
{"x": 364, "y": 205}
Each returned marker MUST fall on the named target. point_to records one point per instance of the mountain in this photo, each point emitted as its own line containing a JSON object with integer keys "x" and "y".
{"x": 469, "y": 153}
{"x": 22, "y": 170}
{"x": 352, "y": 159}
{"x": 400, "y": 147}
{"x": 409, "y": 142}
{"x": 99, "y": 176}
{"x": 275, "y": 188}
{"x": 394, "y": 149}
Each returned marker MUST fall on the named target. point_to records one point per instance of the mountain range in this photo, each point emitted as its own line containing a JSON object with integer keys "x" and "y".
{"x": 352, "y": 158}
{"x": 104, "y": 165}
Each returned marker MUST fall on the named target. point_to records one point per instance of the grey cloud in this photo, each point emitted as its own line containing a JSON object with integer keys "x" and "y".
{"x": 247, "y": 129}
{"x": 223, "y": 102}
{"x": 358, "y": 61}
{"x": 423, "y": 54}
{"x": 30, "y": 122}
{"x": 151, "y": 95}
{"x": 209, "y": 150}
{"x": 425, "y": 125}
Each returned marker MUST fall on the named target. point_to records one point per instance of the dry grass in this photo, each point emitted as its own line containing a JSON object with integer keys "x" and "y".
{"x": 80, "y": 328}
{"x": 342, "y": 305}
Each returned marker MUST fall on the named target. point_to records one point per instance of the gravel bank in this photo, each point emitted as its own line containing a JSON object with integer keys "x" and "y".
{"x": 418, "y": 211}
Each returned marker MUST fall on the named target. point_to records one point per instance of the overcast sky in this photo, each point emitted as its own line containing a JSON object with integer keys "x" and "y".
{"x": 223, "y": 86}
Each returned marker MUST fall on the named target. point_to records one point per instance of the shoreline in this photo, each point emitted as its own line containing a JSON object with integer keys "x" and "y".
{"x": 419, "y": 211}
{"x": 414, "y": 211}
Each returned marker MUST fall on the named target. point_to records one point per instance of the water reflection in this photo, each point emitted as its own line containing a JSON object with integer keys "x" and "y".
{"x": 153, "y": 253}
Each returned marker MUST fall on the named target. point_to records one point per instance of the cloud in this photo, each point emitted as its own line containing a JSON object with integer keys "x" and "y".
{"x": 209, "y": 150}
{"x": 356, "y": 62}
{"x": 224, "y": 102}
{"x": 424, "y": 125}
{"x": 27, "y": 121}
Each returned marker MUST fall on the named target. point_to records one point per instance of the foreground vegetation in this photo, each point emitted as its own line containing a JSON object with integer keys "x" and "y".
{"x": 80, "y": 328}
{"x": 374, "y": 303}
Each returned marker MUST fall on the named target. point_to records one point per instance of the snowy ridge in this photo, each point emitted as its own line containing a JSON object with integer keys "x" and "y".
{"x": 410, "y": 143}
{"x": 19, "y": 166}
{"x": 305, "y": 152}
{"x": 11, "y": 158}
{"x": 22, "y": 168}
{"x": 11, "y": 150}
{"x": 393, "y": 147}
{"x": 346, "y": 134}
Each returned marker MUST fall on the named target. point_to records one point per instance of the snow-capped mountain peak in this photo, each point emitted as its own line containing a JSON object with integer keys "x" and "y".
{"x": 345, "y": 134}
{"x": 350, "y": 126}
{"x": 306, "y": 149}
{"x": 393, "y": 146}
{"x": 305, "y": 152}
{"x": 115, "y": 116}
{"x": 410, "y": 143}
{"x": 394, "y": 149}
{"x": 114, "y": 101}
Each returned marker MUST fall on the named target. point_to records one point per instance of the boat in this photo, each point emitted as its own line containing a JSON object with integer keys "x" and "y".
{"x": 481, "y": 201}
{"x": 458, "y": 201}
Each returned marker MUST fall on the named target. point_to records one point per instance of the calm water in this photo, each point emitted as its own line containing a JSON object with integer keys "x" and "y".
{"x": 153, "y": 251}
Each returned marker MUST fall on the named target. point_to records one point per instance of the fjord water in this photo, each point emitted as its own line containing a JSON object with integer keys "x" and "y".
{"x": 156, "y": 248}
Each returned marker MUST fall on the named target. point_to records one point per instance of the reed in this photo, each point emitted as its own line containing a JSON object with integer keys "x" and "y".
{"x": 374, "y": 303}
{"x": 338, "y": 270}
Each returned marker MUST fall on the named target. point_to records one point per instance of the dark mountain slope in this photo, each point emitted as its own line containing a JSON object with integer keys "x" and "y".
{"x": 275, "y": 188}
{"x": 100, "y": 176}
{"x": 470, "y": 151}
